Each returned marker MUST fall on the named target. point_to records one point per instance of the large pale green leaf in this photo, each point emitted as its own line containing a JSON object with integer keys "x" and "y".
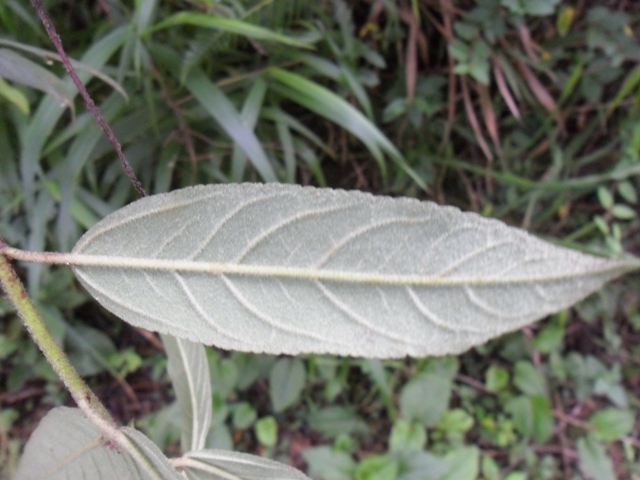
{"x": 189, "y": 371}
{"x": 223, "y": 465}
{"x": 67, "y": 446}
{"x": 285, "y": 269}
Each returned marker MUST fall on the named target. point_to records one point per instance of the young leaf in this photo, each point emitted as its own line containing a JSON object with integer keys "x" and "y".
{"x": 67, "y": 445}
{"x": 378, "y": 467}
{"x": 612, "y": 423}
{"x": 286, "y": 381}
{"x": 189, "y": 372}
{"x": 594, "y": 461}
{"x": 425, "y": 398}
{"x": 267, "y": 431}
{"x": 463, "y": 464}
{"x": 222, "y": 465}
{"x": 328, "y": 463}
{"x": 421, "y": 465}
{"x": 407, "y": 436}
{"x": 285, "y": 269}
{"x": 244, "y": 415}
{"x": 336, "y": 420}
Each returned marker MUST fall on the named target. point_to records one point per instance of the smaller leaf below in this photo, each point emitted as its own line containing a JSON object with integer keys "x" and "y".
{"x": 223, "y": 465}
{"x": 68, "y": 446}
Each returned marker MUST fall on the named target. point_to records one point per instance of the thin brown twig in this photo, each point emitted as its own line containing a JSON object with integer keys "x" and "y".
{"x": 474, "y": 383}
{"x": 57, "y": 42}
{"x": 447, "y": 12}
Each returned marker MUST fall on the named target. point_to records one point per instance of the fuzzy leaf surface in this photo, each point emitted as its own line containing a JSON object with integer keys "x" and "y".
{"x": 189, "y": 371}
{"x": 284, "y": 269}
{"x": 67, "y": 446}
{"x": 224, "y": 465}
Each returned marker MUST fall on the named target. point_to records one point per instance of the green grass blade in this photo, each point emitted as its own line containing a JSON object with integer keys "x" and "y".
{"x": 249, "y": 116}
{"x": 33, "y": 138}
{"x": 278, "y": 115}
{"x": 311, "y": 159}
{"x": 229, "y": 25}
{"x": 630, "y": 84}
{"x": 81, "y": 66}
{"x": 19, "y": 69}
{"x": 225, "y": 114}
{"x": 329, "y": 105}
{"x": 358, "y": 90}
{"x": 288, "y": 150}
{"x": 14, "y": 96}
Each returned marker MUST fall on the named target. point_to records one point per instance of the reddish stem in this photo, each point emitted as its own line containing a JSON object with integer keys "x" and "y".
{"x": 55, "y": 38}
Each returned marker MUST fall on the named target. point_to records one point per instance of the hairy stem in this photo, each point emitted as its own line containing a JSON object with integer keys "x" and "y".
{"x": 55, "y": 38}
{"x": 81, "y": 393}
{"x": 79, "y": 390}
{"x": 614, "y": 266}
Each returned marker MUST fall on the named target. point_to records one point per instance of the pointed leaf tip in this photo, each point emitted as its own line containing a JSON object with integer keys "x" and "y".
{"x": 286, "y": 269}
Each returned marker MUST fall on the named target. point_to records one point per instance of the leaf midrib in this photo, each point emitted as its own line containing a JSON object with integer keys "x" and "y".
{"x": 311, "y": 274}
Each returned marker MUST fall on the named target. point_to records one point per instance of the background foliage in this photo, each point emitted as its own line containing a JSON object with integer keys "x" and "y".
{"x": 524, "y": 111}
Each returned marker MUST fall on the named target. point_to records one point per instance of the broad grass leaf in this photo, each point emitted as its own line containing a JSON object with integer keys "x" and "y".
{"x": 189, "y": 371}
{"x": 285, "y": 269}
{"x": 224, "y": 112}
{"x": 66, "y": 445}
{"x": 333, "y": 107}
{"x": 248, "y": 117}
{"x": 223, "y": 465}
{"x": 22, "y": 70}
{"x": 230, "y": 25}
{"x": 79, "y": 66}
{"x": 34, "y": 137}
{"x": 14, "y": 96}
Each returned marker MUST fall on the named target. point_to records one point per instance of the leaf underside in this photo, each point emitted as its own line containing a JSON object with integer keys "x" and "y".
{"x": 67, "y": 446}
{"x": 189, "y": 371}
{"x": 222, "y": 465}
{"x": 288, "y": 269}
